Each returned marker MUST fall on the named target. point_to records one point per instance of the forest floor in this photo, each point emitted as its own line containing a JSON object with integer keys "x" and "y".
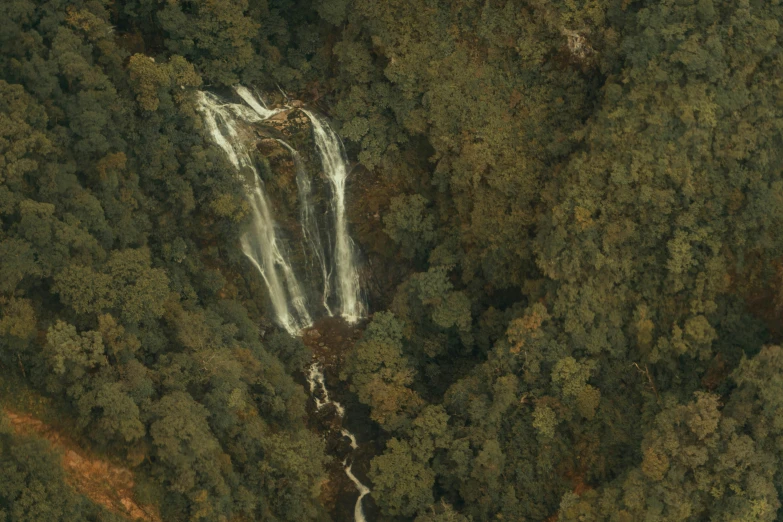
{"x": 103, "y": 482}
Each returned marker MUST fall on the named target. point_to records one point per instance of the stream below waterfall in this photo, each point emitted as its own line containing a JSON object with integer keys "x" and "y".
{"x": 320, "y": 394}
{"x": 351, "y": 441}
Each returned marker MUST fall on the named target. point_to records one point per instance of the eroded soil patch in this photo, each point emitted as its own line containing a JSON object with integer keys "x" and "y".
{"x": 99, "y": 480}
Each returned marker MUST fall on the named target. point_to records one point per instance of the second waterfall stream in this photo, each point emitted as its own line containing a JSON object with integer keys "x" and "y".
{"x": 327, "y": 250}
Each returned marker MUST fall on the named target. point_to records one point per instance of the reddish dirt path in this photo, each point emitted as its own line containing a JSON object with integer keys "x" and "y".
{"x": 99, "y": 480}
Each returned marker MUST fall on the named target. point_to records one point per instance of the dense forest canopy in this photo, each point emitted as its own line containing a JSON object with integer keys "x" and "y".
{"x": 571, "y": 215}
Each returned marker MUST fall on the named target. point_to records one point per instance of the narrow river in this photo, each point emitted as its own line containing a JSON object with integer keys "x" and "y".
{"x": 319, "y": 392}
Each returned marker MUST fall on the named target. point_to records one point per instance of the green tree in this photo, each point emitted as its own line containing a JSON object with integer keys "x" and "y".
{"x": 112, "y": 411}
{"x": 184, "y": 444}
{"x": 380, "y": 374}
{"x": 216, "y": 36}
{"x": 403, "y": 484}
{"x": 127, "y": 284}
{"x": 149, "y": 77}
{"x": 410, "y": 225}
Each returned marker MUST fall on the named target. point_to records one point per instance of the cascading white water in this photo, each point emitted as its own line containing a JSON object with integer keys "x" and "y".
{"x": 358, "y": 512}
{"x": 256, "y": 104}
{"x": 260, "y": 243}
{"x": 315, "y": 378}
{"x": 346, "y": 433}
{"x": 310, "y": 229}
{"x": 332, "y": 154}
{"x": 229, "y": 126}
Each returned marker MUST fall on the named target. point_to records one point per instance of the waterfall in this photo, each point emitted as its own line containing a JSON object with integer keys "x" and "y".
{"x": 260, "y": 243}
{"x": 256, "y": 104}
{"x": 230, "y": 125}
{"x": 315, "y": 379}
{"x": 310, "y": 229}
{"x": 332, "y": 154}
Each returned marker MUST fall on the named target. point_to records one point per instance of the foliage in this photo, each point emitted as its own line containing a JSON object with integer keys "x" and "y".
{"x": 112, "y": 300}
{"x": 582, "y": 201}
{"x": 591, "y": 223}
{"x": 33, "y": 485}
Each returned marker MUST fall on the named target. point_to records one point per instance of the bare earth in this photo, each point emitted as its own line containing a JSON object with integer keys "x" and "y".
{"x": 99, "y": 480}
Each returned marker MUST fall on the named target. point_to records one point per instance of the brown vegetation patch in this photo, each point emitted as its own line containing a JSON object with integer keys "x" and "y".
{"x": 329, "y": 339}
{"x": 101, "y": 481}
